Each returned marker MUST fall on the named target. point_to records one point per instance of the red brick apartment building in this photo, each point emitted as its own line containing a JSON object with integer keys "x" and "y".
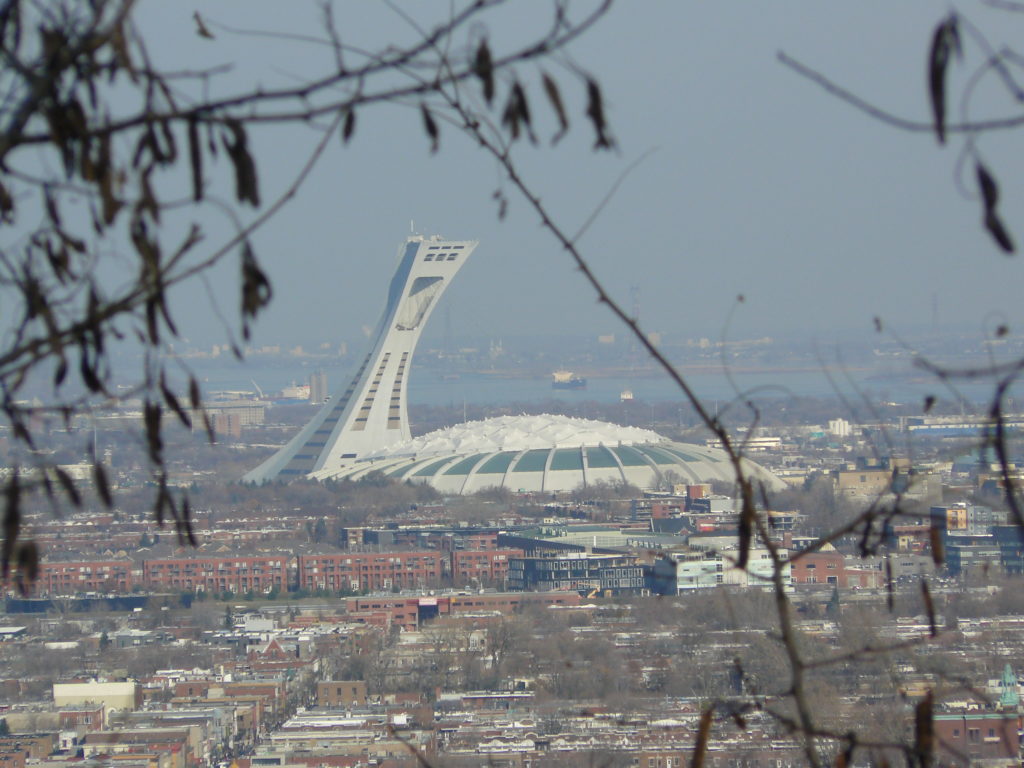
{"x": 18, "y": 749}
{"x": 349, "y": 571}
{"x": 341, "y": 693}
{"x": 410, "y": 612}
{"x": 477, "y": 541}
{"x": 173, "y": 742}
{"x": 69, "y": 577}
{"x": 829, "y": 567}
{"x": 86, "y": 717}
{"x": 217, "y": 574}
{"x": 481, "y": 566}
{"x": 271, "y": 693}
{"x": 364, "y": 571}
{"x": 968, "y": 738}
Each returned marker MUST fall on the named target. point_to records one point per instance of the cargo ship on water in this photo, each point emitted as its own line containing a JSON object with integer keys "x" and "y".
{"x": 567, "y": 380}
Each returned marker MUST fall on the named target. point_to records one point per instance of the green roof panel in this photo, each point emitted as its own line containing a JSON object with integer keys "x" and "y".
{"x": 601, "y": 458}
{"x": 465, "y": 466}
{"x": 402, "y": 468}
{"x": 684, "y": 456}
{"x": 533, "y": 461}
{"x": 630, "y": 457}
{"x": 431, "y": 469}
{"x": 497, "y": 464}
{"x": 567, "y": 459}
{"x": 659, "y": 456}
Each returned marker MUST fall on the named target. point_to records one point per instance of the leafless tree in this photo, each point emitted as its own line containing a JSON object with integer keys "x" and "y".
{"x": 110, "y": 164}
{"x": 127, "y": 147}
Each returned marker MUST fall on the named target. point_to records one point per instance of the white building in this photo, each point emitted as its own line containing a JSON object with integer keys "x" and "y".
{"x": 702, "y": 569}
{"x": 114, "y": 696}
{"x": 365, "y": 428}
{"x": 839, "y": 428}
{"x": 371, "y": 412}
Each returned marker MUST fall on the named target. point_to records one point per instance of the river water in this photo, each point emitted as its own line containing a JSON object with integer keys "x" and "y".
{"x": 428, "y": 387}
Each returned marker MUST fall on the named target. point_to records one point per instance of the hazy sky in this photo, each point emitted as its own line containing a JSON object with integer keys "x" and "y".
{"x": 757, "y": 183}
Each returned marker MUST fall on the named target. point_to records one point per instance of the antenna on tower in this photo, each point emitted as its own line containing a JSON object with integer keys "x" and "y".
{"x": 412, "y": 227}
{"x": 634, "y": 346}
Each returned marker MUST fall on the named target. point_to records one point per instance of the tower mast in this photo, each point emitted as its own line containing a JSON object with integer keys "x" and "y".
{"x": 372, "y": 412}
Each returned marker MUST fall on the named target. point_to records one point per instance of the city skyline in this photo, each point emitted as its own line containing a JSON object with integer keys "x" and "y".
{"x": 791, "y": 535}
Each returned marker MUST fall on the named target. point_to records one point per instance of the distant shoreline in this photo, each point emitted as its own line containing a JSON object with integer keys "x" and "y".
{"x": 651, "y": 372}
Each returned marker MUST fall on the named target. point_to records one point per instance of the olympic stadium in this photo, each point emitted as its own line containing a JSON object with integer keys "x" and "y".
{"x": 545, "y": 454}
{"x": 364, "y": 428}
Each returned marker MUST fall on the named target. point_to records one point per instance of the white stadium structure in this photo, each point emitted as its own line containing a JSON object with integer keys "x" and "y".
{"x": 545, "y": 453}
{"x": 365, "y": 427}
{"x": 371, "y": 412}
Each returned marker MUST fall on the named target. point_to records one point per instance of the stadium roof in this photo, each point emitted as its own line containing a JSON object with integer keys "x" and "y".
{"x": 545, "y": 453}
